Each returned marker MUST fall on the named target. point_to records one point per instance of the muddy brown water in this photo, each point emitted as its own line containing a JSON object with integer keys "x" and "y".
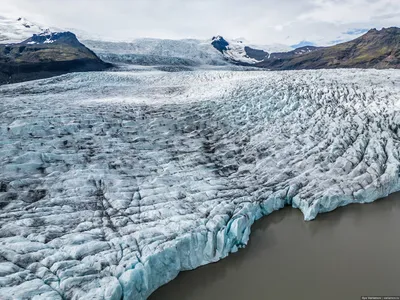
{"x": 351, "y": 252}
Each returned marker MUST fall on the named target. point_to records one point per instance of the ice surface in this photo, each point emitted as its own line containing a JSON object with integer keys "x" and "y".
{"x": 189, "y": 52}
{"x": 113, "y": 182}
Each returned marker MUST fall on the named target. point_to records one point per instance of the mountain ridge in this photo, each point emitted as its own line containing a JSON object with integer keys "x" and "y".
{"x": 53, "y": 53}
{"x": 375, "y": 49}
{"x": 45, "y": 55}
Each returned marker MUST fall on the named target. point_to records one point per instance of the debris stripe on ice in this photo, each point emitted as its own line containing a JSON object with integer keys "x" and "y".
{"x": 112, "y": 183}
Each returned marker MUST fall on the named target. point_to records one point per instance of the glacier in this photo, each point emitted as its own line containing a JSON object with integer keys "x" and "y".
{"x": 188, "y": 53}
{"x": 151, "y": 52}
{"x": 114, "y": 182}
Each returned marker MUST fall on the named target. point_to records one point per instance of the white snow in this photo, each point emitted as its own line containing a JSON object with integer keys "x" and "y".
{"x": 236, "y": 50}
{"x": 112, "y": 183}
{"x": 48, "y": 41}
{"x": 270, "y": 48}
{"x": 237, "y": 53}
{"x": 159, "y": 51}
{"x": 17, "y": 29}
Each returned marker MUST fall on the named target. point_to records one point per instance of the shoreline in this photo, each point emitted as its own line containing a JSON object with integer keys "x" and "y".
{"x": 314, "y": 244}
{"x": 139, "y": 281}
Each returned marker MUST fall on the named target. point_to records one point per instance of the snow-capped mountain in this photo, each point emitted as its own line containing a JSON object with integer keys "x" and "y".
{"x": 15, "y": 30}
{"x": 150, "y": 51}
{"x": 45, "y": 55}
{"x": 48, "y": 37}
{"x": 241, "y": 51}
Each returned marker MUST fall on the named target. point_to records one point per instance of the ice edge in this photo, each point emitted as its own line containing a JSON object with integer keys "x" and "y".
{"x": 197, "y": 249}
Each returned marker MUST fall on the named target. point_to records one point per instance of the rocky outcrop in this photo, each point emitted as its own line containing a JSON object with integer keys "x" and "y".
{"x": 45, "y": 55}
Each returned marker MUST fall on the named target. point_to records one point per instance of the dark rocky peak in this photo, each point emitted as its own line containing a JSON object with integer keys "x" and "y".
{"x": 48, "y": 37}
{"x": 372, "y": 31}
{"x": 383, "y": 32}
{"x": 219, "y": 43}
{"x": 218, "y": 38}
{"x": 255, "y": 53}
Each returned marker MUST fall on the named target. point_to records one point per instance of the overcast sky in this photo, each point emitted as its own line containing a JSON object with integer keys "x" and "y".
{"x": 260, "y": 21}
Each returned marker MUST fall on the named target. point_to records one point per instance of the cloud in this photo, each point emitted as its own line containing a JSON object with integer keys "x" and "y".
{"x": 260, "y": 21}
{"x": 346, "y": 11}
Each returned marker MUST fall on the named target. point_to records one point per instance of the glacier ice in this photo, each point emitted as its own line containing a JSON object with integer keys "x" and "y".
{"x": 184, "y": 53}
{"x": 151, "y": 52}
{"x": 112, "y": 183}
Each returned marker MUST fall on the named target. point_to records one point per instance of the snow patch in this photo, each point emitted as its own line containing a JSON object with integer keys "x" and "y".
{"x": 17, "y": 29}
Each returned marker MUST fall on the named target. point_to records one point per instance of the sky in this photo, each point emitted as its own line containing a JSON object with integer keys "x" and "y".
{"x": 290, "y": 22}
